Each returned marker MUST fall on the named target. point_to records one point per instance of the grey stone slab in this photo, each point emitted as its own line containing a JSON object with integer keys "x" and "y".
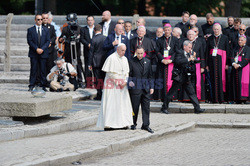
{"x": 237, "y": 108}
{"x": 25, "y": 105}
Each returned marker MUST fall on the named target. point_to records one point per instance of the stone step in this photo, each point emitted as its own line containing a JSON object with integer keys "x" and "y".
{"x": 16, "y": 27}
{"x": 17, "y": 67}
{"x": 17, "y": 59}
{"x": 15, "y": 34}
{"x": 16, "y": 52}
{"x": 15, "y": 41}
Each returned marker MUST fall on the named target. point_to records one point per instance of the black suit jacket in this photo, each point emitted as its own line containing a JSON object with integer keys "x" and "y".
{"x": 143, "y": 79}
{"x": 32, "y": 38}
{"x": 85, "y": 40}
{"x": 52, "y": 33}
{"x": 111, "y": 27}
{"x": 97, "y": 55}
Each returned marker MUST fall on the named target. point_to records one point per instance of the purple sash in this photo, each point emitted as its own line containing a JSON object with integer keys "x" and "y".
{"x": 198, "y": 79}
{"x": 169, "y": 79}
{"x": 223, "y": 55}
{"x": 245, "y": 80}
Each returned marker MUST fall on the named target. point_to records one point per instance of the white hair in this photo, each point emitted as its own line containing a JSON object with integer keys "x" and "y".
{"x": 186, "y": 42}
{"x": 190, "y": 31}
{"x": 50, "y": 15}
{"x": 178, "y": 30}
{"x": 139, "y": 27}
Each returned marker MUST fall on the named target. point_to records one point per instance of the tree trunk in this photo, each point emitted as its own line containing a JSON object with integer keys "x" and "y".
{"x": 232, "y": 8}
{"x": 50, "y": 5}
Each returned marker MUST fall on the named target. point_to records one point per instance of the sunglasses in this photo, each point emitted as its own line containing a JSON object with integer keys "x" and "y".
{"x": 120, "y": 22}
{"x": 45, "y": 18}
{"x": 242, "y": 29}
{"x": 39, "y": 19}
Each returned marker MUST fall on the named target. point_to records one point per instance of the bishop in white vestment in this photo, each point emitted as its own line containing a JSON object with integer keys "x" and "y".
{"x": 116, "y": 108}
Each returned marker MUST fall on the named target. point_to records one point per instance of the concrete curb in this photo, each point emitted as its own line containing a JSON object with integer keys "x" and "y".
{"x": 50, "y": 129}
{"x": 222, "y": 125}
{"x": 210, "y": 108}
{"x": 110, "y": 148}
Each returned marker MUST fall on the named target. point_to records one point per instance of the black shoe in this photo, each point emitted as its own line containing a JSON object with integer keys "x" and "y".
{"x": 31, "y": 88}
{"x": 97, "y": 98}
{"x": 109, "y": 129}
{"x": 165, "y": 111}
{"x": 147, "y": 129}
{"x": 199, "y": 111}
{"x": 133, "y": 127}
{"x": 59, "y": 90}
{"x": 45, "y": 89}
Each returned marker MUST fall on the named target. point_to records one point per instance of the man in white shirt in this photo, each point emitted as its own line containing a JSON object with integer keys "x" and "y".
{"x": 60, "y": 74}
{"x": 107, "y": 24}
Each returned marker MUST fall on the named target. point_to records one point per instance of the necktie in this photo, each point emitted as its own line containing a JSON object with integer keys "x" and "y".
{"x": 39, "y": 37}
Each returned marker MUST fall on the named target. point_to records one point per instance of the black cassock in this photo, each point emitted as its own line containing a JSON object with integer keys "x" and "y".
{"x": 217, "y": 56}
{"x": 240, "y": 77}
{"x": 197, "y": 79}
{"x": 163, "y": 80}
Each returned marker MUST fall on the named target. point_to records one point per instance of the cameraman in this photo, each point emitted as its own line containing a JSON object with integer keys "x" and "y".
{"x": 71, "y": 34}
{"x": 59, "y": 76}
{"x": 181, "y": 76}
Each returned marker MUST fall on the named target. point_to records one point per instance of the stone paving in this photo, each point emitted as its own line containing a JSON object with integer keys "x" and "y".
{"x": 69, "y": 136}
{"x": 201, "y": 147}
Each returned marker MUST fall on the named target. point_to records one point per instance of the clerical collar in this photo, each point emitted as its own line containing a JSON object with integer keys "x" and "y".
{"x": 98, "y": 33}
{"x": 217, "y": 35}
{"x": 168, "y": 36}
{"x": 184, "y": 23}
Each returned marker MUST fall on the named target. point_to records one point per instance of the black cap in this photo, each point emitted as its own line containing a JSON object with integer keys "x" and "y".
{"x": 165, "y": 21}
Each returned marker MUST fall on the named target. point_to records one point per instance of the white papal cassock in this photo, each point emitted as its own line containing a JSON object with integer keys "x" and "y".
{"x": 116, "y": 109}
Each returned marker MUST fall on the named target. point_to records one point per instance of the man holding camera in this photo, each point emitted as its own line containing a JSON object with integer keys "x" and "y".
{"x": 71, "y": 36}
{"x": 182, "y": 77}
{"x": 60, "y": 74}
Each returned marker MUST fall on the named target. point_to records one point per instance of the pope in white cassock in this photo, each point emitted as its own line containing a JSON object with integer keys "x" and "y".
{"x": 116, "y": 108}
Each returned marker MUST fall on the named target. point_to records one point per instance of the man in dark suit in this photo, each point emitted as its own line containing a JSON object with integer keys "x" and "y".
{"x": 38, "y": 39}
{"x": 128, "y": 30}
{"x": 52, "y": 33}
{"x": 97, "y": 56}
{"x": 107, "y": 24}
{"x": 141, "y": 87}
{"x": 113, "y": 40}
{"x": 183, "y": 25}
{"x": 86, "y": 34}
{"x": 181, "y": 77}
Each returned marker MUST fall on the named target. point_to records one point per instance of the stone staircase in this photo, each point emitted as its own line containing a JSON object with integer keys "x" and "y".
{"x": 20, "y": 64}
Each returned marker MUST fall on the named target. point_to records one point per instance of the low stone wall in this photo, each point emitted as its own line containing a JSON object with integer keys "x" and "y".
{"x": 25, "y": 105}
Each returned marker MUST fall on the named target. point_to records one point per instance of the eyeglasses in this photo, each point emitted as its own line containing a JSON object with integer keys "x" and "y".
{"x": 39, "y": 19}
{"x": 242, "y": 29}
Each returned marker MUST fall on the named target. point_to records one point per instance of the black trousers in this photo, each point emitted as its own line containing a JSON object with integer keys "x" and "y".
{"x": 144, "y": 100}
{"x": 187, "y": 87}
{"x": 37, "y": 67}
{"x": 99, "y": 80}
{"x": 87, "y": 73}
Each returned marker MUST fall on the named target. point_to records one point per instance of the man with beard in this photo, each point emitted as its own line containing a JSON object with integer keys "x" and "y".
{"x": 166, "y": 48}
{"x": 107, "y": 24}
{"x": 193, "y": 22}
{"x": 218, "y": 54}
{"x": 228, "y": 30}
